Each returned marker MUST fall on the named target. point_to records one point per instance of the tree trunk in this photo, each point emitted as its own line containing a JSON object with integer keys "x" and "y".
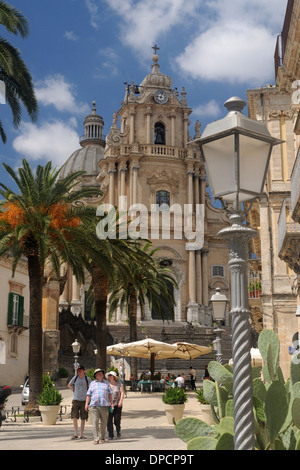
{"x": 35, "y": 331}
{"x": 99, "y": 282}
{"x": 132, "y": 313}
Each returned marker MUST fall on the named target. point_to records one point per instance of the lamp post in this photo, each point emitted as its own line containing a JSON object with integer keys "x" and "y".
{"x": 219, "y": 302}
{"x": 236, "y": 151}
{"x": 76, "y": 351}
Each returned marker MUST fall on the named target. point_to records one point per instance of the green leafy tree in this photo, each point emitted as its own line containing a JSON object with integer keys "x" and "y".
{"x": 13, "y": 71}
{"x": 41, "y": 222}
{"x": 105, "y": 258}
{"x": 145, "y": 282}
{"x": 101, "y": 258}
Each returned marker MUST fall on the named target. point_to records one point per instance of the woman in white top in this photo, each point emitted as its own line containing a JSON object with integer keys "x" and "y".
{"x": 117, "y": 391}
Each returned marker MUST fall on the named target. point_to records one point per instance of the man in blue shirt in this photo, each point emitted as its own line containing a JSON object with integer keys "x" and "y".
{"x": 99, "y": 398}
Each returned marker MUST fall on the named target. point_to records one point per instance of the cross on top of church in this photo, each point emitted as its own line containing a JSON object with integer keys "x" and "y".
{"x": 155, "y": 48}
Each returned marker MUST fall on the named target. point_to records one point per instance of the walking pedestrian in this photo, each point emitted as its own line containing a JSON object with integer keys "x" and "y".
{"x": 193, "y": 378}
{"x": 79, "y": 384}
{"x": 206, "y": 373}
{"x": 99, "y": 398}
{"x": 114, "y": 418}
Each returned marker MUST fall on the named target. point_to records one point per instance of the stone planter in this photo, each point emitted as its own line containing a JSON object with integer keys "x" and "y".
{"x": 63, "y": 381}
{"x": 174, "y": 412}
{"x": 206, "y": 414}
{"x": 49, "y": 414}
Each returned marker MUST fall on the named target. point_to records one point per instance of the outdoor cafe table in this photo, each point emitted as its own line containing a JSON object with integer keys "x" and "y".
{"x": 154, "y": 385}
{"x": 146, "y": 384}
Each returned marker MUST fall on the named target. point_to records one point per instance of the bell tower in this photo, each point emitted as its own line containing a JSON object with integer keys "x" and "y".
{"x": 149, "y": 166}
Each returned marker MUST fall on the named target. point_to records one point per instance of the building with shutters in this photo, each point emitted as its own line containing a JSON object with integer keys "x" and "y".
{"x": 14, "y": 323}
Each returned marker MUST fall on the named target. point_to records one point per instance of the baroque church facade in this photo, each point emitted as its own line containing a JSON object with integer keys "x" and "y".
{"x": 147, "y": 167}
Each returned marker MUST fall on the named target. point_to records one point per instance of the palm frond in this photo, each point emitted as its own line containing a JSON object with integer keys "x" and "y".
{"x": 13, "y": 20}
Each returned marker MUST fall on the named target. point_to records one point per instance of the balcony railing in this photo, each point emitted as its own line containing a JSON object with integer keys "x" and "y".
{"x": 254, "y": 284}
{"x": 92, "y": 138}
{"x": 287, "y": 228}
{"x": 163, "y": 151}
{"x": 295, "y": 189}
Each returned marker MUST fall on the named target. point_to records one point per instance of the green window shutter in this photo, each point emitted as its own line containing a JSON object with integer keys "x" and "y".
{"x": 10, "y": 308}
{"x": 21, "y": 310}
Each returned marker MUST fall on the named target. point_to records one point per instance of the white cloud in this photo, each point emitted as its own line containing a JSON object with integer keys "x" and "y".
{"x": 55, "y": 91}
{"x": 233, "y": 53}
{"x": 54, "y": 141}
{"x": 93, "y": 11}
{"x": 109, "y": 63}
{"x": 144, "y": 21}
{"x": 222, "y": 40}
{"x": 235, "y": 47}
{"x": 210, "y": 109}
{"x": 71, "y": 36}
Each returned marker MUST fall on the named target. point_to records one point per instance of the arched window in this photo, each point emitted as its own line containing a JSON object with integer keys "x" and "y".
{"x": 163, "y": 200}
{"x": 159, "y": 134}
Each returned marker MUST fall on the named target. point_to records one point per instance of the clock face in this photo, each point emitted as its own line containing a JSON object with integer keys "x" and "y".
{"x": 160, "y": 97}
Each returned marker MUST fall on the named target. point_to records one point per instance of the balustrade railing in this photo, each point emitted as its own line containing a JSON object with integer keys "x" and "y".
{"x": 286, "y": 225}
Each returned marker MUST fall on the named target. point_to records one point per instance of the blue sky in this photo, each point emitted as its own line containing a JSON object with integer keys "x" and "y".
{"x": 84, "y": 50}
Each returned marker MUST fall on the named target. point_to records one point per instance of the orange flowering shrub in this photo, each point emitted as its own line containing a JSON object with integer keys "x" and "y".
{"x": 59, "y": 217}
{"x": 12, "y": 214}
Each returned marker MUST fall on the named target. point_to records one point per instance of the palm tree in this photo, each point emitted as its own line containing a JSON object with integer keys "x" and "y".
{"x": 39, "y": 223}
{"x": 146, "y": 282}
{"x": 13, "y": 71}
{"x": 105, "y": 259}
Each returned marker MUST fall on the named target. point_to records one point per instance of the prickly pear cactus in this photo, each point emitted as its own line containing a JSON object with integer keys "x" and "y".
{"x": 276, "y": 405}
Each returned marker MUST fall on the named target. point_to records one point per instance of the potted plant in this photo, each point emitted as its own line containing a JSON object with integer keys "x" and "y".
{"x": 205, "y": 407}
{"x": 62, "y": 376}
{"x": 258, "y": 289}
{"x": 174, "y": 400}
{"x": 251, "y": 290}
{"x": 49, "y": 401}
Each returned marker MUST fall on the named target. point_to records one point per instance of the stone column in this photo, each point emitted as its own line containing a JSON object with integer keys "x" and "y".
{"x": 185, "y": 129}
{"x": 202, "y": 186}
{"x": 75, "y": 303}
{"x": 205, "y": 276}
{"x": 132, "y": 125}
{"x": 64, "y": 298}
{"x": 192, "y": 308}
{"x": 122, "y": 187}
{"x": 134, "y": 171}
{"x": 111, "y": 189}
{"x": 148, "y": 125}
{"x": 199, "y": 296}
{"x": 197, "y": 196}
{"x": 197, "y": 177}
{"x": 173, "y": 132}
{"x": 190, "y": 174}
{"x": 192, "y": 278}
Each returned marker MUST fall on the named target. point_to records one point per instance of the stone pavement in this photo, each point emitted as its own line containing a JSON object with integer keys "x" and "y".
{"x": 144, "y": 427}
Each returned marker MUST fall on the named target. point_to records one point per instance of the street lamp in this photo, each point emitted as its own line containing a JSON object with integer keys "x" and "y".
{"x": 236, "y": 151}
{"x": 219, "y": 303}
{"x": 76, "y": 351}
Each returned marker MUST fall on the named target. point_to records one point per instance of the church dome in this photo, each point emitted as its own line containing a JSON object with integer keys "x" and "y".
{"x": 84, "y": 159}
{"x": 92, "y": 148}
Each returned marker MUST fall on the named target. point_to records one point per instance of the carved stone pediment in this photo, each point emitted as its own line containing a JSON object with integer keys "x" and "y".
{"x": 163, "y": 179}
